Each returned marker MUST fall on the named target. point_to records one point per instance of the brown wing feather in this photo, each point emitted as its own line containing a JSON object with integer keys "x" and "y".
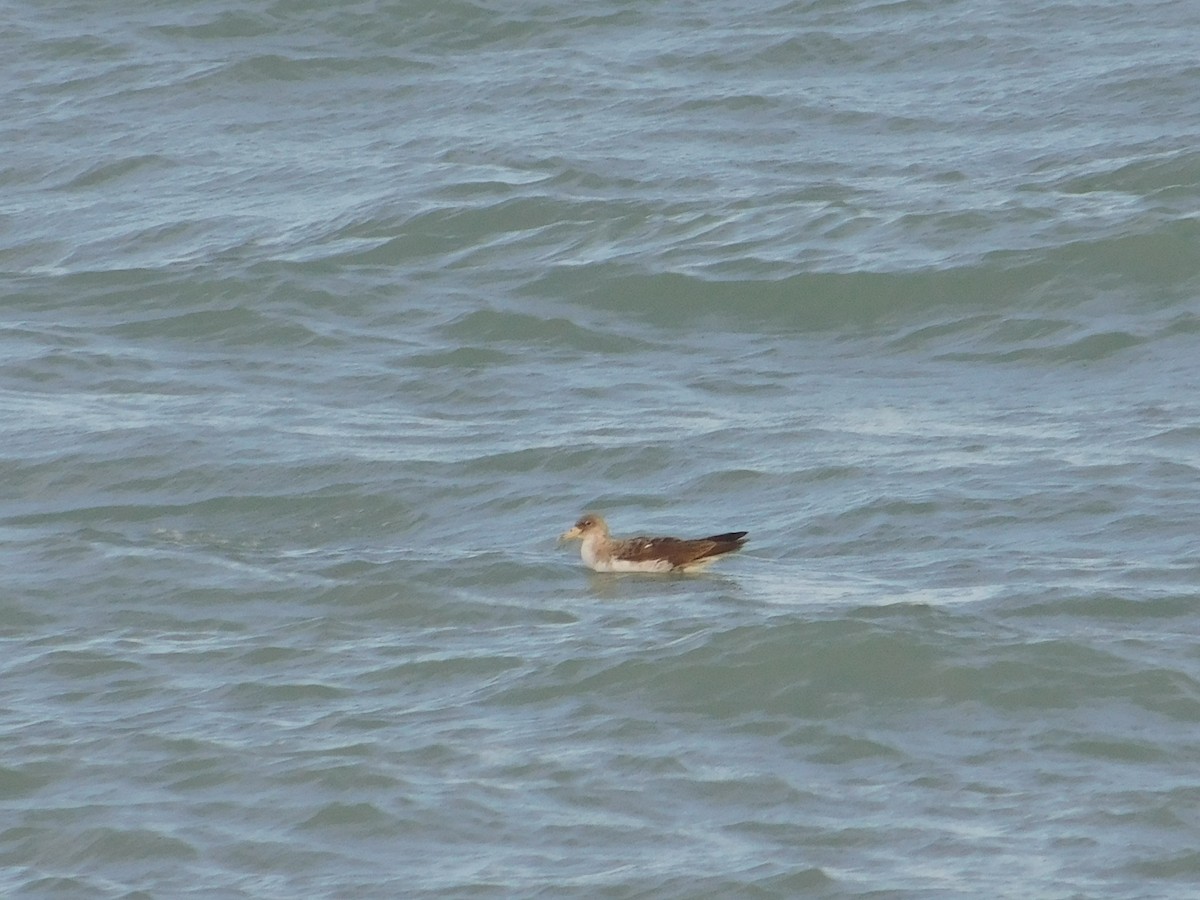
{"x": 679, "y": 552}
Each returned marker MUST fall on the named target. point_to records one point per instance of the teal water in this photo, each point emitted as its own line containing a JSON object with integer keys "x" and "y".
{"x": 317, "y": 325}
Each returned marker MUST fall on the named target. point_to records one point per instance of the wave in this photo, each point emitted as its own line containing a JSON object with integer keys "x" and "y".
{"x": 1053, "y": 286}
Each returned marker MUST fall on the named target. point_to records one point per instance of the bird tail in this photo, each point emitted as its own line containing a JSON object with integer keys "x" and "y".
{"x": 730, "y": 537}
{"x": 724, "y": 543}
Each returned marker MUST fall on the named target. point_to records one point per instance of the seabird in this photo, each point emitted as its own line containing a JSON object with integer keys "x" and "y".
{"x": 604, "y": 553}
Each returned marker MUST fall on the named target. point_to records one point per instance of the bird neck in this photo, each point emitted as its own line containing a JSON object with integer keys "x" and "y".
{"x": 593, "y": 547}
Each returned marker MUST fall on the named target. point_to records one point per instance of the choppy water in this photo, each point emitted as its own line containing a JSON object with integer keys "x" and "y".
{"x": 320, "y": 322}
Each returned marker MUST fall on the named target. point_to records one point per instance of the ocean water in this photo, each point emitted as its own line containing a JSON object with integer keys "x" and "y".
{"x": 320, "y": 322}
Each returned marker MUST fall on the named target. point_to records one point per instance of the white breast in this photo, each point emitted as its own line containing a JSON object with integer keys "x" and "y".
{"x": 593, "y": 560}
{"x": 625, "y": 565}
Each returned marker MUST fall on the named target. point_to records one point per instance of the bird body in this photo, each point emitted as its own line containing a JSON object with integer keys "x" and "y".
{"x": 604, "y": 553}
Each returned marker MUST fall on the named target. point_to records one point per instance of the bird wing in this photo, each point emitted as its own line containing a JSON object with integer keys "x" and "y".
{"x": 675, "y": 551}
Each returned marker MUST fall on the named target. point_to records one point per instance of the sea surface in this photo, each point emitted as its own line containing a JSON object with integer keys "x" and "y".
{"x": 320, "y": 321}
